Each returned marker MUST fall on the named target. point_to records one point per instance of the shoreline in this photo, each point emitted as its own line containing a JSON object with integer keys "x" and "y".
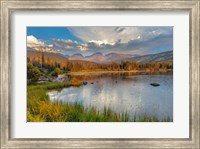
{"x": 60, "y": 77}
{"x": 124, "y": 71}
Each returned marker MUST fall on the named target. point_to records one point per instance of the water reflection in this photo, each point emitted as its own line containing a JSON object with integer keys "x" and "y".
{"x": 123, "y": 92}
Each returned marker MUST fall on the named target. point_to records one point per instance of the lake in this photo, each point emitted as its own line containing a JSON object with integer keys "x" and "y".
{"x": 122, "y": 92}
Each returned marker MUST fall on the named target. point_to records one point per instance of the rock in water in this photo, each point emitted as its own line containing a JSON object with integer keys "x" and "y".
{"x": 155, "y": 84}
{"x": 85, "y": 83}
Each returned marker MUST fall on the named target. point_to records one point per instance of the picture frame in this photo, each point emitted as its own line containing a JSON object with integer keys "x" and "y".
{"x": 9, "y": 7}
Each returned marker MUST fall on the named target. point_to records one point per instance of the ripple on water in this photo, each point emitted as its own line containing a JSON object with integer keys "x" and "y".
{"x": 132, "y": 94}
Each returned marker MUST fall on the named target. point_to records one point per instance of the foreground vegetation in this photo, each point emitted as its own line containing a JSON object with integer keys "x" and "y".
{"x": 41, "y": 109}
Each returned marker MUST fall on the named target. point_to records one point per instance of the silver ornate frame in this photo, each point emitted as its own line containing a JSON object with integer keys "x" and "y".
{"x": 10, "y": 6}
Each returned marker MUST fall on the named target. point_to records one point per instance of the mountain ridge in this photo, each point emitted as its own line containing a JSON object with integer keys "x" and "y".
{"x": 163, "y": 56}
{"x": 108, "y": 58}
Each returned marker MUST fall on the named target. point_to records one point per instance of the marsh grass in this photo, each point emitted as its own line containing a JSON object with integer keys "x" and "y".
{"x": 40, "y": 109}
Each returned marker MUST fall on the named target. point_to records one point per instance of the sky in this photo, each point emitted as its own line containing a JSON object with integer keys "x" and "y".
{"x": 140, "y": 40}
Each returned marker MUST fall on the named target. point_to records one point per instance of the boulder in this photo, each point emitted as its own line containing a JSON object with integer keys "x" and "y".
{"x": 85, "y": 83}
{"x": 61, "y": 78}
{"x": 155, "y": 84}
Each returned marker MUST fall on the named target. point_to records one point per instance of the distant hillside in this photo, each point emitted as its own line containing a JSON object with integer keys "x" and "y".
{"x": 51, "y": 56}
{"x": 96, "y": 57}
{"x": 164, "y": 56}
{"x": 76, "y": 57}
{"x": 117, "y": 57}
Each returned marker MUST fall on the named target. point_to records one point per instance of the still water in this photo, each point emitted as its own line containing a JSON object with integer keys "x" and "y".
{"x": 123, "y": 92}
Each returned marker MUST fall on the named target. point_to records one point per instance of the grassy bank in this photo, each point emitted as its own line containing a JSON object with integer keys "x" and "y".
{"x": 40, "y": 109}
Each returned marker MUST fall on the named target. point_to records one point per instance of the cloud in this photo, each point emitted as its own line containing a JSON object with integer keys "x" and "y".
{"x": 68, "y": 46}
{"x": 119, "y": 29}
{"x": 126, "y": 38}
{"x": 50, "y": 46}
{"x": 82, "y": 48}
{"x": 34, "y": 43}
{"x": 129, "y": 40}
{"x": 109, "y": 34}
{"x": 99, "y": 42}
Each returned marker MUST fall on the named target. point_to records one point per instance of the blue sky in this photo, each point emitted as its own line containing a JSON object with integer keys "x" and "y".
{"x": 89, "y": 40}
{"x": 47, "y": 33}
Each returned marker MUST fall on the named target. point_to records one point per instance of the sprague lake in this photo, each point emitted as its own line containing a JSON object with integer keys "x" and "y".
{"x": 122, "y": 92}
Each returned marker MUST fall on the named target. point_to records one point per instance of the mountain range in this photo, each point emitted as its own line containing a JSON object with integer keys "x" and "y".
{"x": 100, "y": 58}
{"x": 117, "y": 57}
{"x": 108, "y": 58}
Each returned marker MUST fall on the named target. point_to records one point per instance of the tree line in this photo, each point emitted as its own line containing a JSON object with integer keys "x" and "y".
{"x": 41, "y": 66}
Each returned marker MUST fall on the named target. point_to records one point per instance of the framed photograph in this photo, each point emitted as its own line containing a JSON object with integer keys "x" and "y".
{"x": 100, "y": 74}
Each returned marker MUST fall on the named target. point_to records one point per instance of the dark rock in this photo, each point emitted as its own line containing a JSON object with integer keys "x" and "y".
{"x": 85, "y": 83}
{"x": 155, "y": 84}
{"x": 92, "y": 82}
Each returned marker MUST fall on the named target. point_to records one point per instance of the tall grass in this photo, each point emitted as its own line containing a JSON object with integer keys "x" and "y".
{"x": 40, "y": 109}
